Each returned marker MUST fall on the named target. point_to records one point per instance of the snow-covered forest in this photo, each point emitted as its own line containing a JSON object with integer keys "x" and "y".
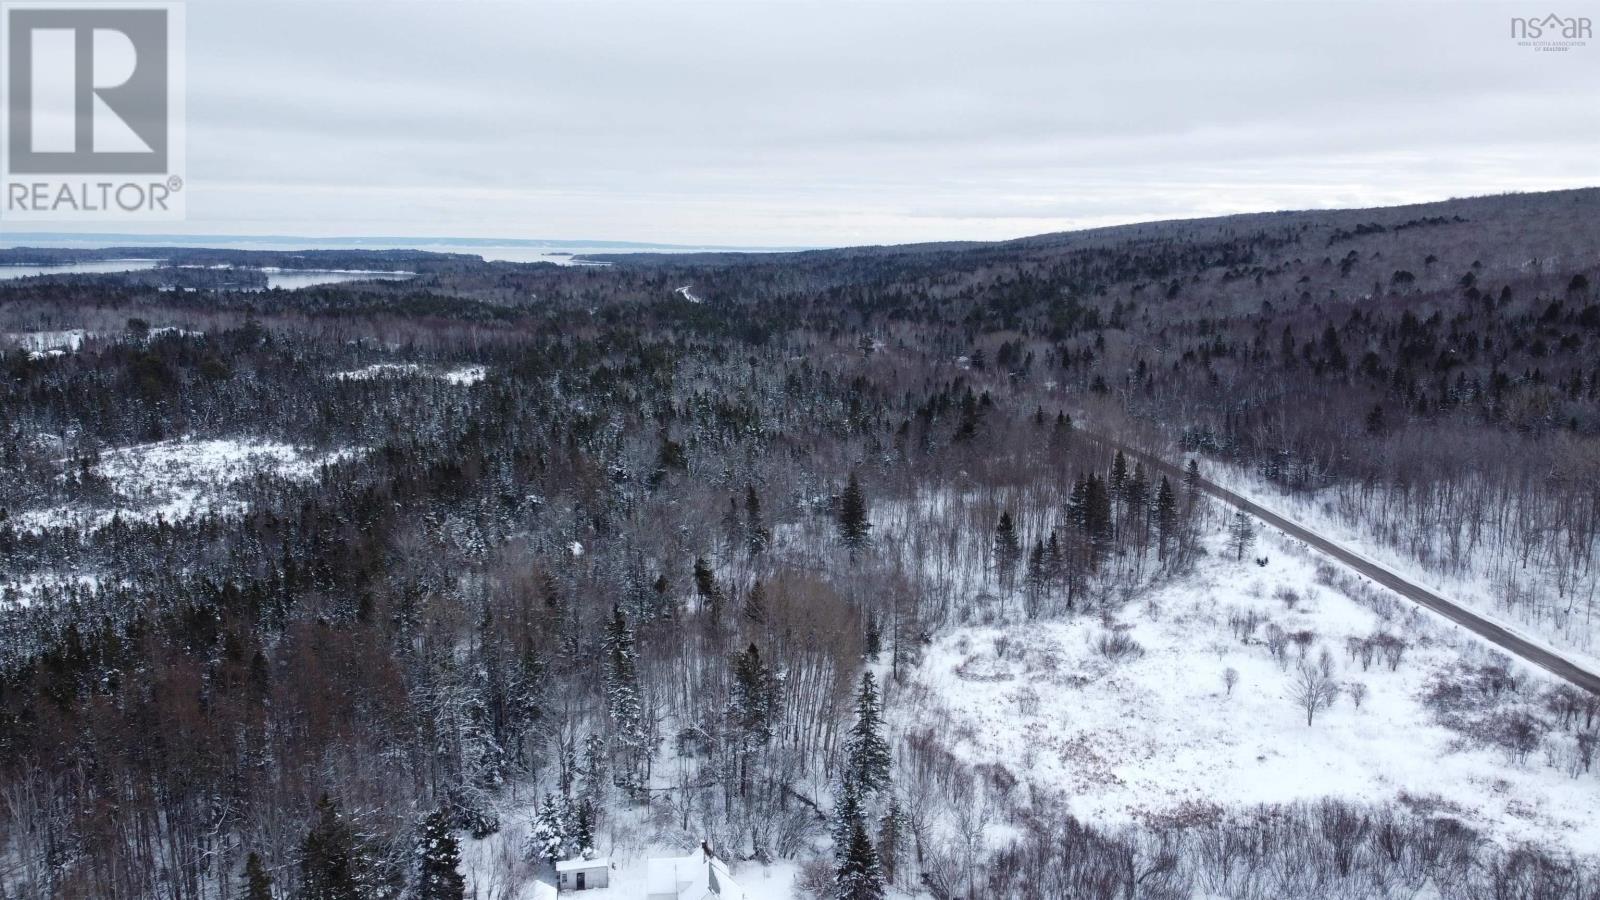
{"x": 826, "y": 562}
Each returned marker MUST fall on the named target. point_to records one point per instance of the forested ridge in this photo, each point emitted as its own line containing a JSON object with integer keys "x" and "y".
{"x": 564, "y": 546}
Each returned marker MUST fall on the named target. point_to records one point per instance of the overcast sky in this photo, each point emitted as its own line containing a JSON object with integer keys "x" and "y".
{"x": 825, "y": 124}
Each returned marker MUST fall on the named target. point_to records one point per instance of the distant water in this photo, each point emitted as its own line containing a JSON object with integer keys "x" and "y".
{"x": 521, "y": 253}
{"x": 99, "y": 267}
{"x": 286, "y": 279}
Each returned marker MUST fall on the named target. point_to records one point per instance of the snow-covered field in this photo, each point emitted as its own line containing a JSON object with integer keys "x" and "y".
{"x": 1158, "y": 734}
{"x": 177, "y": 478}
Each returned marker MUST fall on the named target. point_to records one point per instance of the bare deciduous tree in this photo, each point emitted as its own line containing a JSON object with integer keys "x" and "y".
{"x": 1313, "y": 690}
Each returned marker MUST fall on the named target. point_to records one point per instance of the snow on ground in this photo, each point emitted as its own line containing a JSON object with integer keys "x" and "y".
{"x": 45, "y": 344}
{"x": 1477, "y": 593}
{"x": 465, "y": 375}
{"x": 497, "y": 867}
{"x": 687, "y": 293}
{"x": 41, "y": 344}
{"x": 177, "y": 478}
{"x": 1141, "y": 738}
{"x": 24, "y": 590}
{"x": 462, "y": 375}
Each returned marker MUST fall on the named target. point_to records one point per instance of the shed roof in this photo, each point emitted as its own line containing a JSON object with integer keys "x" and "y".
{"x": 581, "y": 864}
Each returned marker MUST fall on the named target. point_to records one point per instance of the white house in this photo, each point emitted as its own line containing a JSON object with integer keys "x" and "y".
{"x": 698, "y": 876}
{"x": 579, "y": 874}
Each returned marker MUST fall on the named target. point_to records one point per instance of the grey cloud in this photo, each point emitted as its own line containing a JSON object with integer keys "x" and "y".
{"x": 810, "y": 123}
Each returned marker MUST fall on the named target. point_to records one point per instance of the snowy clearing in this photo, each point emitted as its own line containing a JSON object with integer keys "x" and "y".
{"x": 1154, "y": 735}
{"x": 179, "y": 478}
{"x": 498, "y": 866}
{"x": 462, "y": 375}
{"x": 25, "y": 590}
{"x": 40, "y": 344}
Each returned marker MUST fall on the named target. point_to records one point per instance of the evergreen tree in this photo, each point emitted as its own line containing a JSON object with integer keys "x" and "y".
{"x": 1119, "y": 474}
{"x": 1241, "y": 534}
{"x": 1191, "y": 482}
{"x": 755, "y": 604}
{"x": 332, "y": 865}
{"x": 1096, "y": 518}
{"x": 893, "y": 831}
{"x": 854, "y": 525}
{"x": 483, "y": 760}
{"x": 706, "y": 587}
{"x": 581, "y": 827}
{"x": 622, "y": 698}
{"x": 753, "y": 706}
{"x": 733, "y": 525}
{"x": 860, "y": 873}
{"x": 867, "y": 754}
{"x": 547, "y": 839}
{"x": 1136, "y": 495}
{"x": 1061, "y": 433}
{"x": 1166, "y": 518}
{"x": 756, "y": 534}
{"x": 1037, "y": 578}
{"x": 1053, "y": 561}
{"x": 592, "y": 771}
{"x": 257, "y": 883}
{"x": 849, "y": 811}
{"x": 970, "y": 414}
{"x": 438, "y": 860}
{"x": 706, "y": 580}
{"x": 1007, "y": 549}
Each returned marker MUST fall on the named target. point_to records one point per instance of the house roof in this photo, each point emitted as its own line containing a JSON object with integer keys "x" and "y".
{"x": 581, "y": 864}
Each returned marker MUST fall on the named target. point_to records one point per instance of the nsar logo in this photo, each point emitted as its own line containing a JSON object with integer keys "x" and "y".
{"x": 1552, "y": 32}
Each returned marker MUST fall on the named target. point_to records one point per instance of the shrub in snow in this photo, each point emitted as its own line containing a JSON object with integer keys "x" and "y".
{"x": 1028, "y": 701}
{"x": 1357, "y": 691}
{"x": 1517, "y": 732}
{"x": 1118, "y": 644}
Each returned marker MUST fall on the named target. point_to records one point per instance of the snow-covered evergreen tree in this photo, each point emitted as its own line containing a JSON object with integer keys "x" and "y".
{"x": 854, "y": 525}
{"x": 849, "y": 811}
{"x": 860, "y": 873}
{"x": 438, "y": 862}
{"x": 547, "y": 839}
{"x": 753, "y": 705}
{"x": 867, "y": 756}
{"x": 1241, "y": 534}
{"x": 894, "y": 828}
{"x": 622, "y": 700}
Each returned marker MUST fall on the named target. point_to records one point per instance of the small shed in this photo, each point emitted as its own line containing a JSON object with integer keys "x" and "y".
{"x": 581, "y": 874}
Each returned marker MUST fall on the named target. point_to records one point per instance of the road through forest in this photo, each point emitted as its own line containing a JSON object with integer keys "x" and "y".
{"x": 1488, "y": 630}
